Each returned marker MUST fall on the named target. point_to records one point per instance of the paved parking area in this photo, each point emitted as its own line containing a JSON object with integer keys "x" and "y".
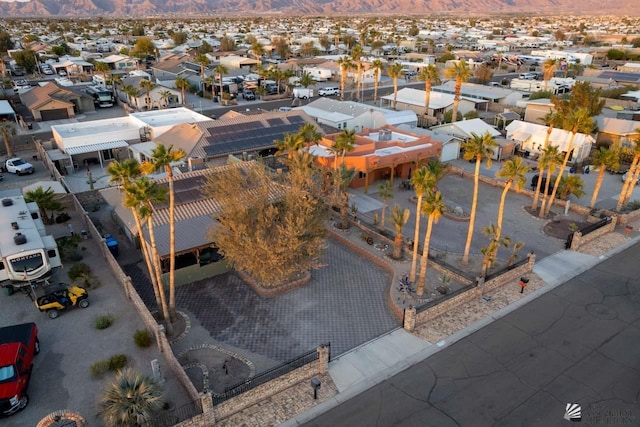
{"x": 345, "y": 304}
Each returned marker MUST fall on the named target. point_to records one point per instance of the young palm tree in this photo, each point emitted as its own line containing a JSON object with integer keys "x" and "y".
{"x": 162, "y": 158}
{"x": 549, "y": 68}
{"x": 399, "y": 219}
{"x": 461, "y": 72}
{"x": 123, "y": 174}
{"x": 141, "y": 194}
{"x": 345, "y": 65}
{"x": 307, "y": 80}
{"x": 385, "y": 192}
{"x": 131, "y": 400}
{"x": 220, "y": 71}
{"x": 571, "y": 184}
{"x": 377, "y": 66}
{"x": 579, "y": 120}
{"x": 147, "y": 86}
{"x": 552, "y": 159}
{"x": 394, "y": 72}
{"x": 46, "y": 200}
{"x": 132, "y": 94}
{"x": 164, "y": 97}
{"x": 290, "y": 144}
{"x": 344, "y": 143}
{"x": 8, "y": 131}
{"x": 102, "y": 68}
{"x": 479, "y": 147}
{"x": 424, "y": 180}
{"x": 309, "y": 133}
{"x": 183, "y": 84}
{"x": 433, "y": 207}
{"x": 515, "y": 172}
{"x": 430, "y": 74}
{"x": 356, "y": 58}
{"x": 604, "y": 158}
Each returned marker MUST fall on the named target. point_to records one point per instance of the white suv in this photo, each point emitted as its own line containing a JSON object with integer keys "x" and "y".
{"x": 328, "y": 91}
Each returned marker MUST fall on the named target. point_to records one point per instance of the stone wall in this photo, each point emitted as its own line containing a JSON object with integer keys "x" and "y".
{"x": 446, "y": 305}
{"x": 509, "y": 276}
{"x": 579, "y": 240}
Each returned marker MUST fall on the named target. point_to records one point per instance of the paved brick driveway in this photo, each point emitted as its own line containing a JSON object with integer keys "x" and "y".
{"x": 344, "y": 304}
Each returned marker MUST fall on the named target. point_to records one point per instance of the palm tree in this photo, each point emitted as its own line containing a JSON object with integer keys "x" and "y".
{"x": 345, "y": 65}
{"x": 550, "y": 120}
{"x": 430, "y": 74}
{"x": 183, "y": 84}
{"x": 306, "y": 80}
{"x": 549, "y": 68}
{"x": 571, "y": 184}
{"x": 162, "y": 158}
{"x": 220, "y": 71}
{"x": 356, "y": 57}
{"x": 147, "y": 86}
{"x": 394, "y": 72}
{"x": 479, "y": 147}
{"x": 433, "y": 207}
{"x": 46, "y": 201}
{"x": 461, "y": 72}
{"x": 116, "y": 80}
{"x": 552, "y": 159}
{"x": 342, "y": 178}
{"x": 290, "y": 143}
{"x": 344, "y": 143}
{"x": 102, "y": 68}
{"x": 164, "y": 96}
{"x": 123, "y": 174}
{"x": 377, "y": 66}
{"x": 604, "y": 158}
{"x": 203, "y": 60}
{"x": 399, "y": 219}
{"x": 309, "y": 133}
{"x": 132, "y": 399}
{"x": 257, "y": 50}
{"x": 579, "y": 120}
{"x": 141, "y": 194}
{"x": 629, "y": 183}
{"x": 515, "y": 172}
{"x": 8, "y": 131}
{"x": 132, "y": 94}
{"x": 385, "y": 192}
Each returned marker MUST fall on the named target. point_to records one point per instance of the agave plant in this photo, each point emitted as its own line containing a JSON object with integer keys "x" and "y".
{"x": 132, "y": 399}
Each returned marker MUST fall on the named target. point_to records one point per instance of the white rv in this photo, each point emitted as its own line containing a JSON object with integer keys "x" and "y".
{"x": 318, "y": 74}
{"x": 27, "y": 253}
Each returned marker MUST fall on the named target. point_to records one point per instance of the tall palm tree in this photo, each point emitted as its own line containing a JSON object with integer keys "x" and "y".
{"x": 344, "y": 143}
{"x": 116, "y": 80}
{"x": 430, "y": 74}
{"x": 394, "y": 72}
{"x": 552, "y": 159}
{"x": 629, "y": 184}
{"x": 433, "y": 207}
{"x": 183, "y": 84}
{"x": 461, "y": 72}
{"x": 147, "y": 86}
{"x": 8, "y": 131}
{"x": 604, "y": 158}
{"x": 123, "y": 174}
{"x": 162, "y": 158}
{"x": 306, "y": 80}
{"x": 203, "y": 60}
{"x": 356, "y": 57}
{"x": 399, "y": 218}
{"x": 377, "y": 66}
{"x": 345, "y": 65}
{"x": 424, "y": 180}
{"x": 515, "y": 172}
{"x": 141, "y": 194}
{"x": 164, "y": 97}
{"x": 549, "y": 68}
{"x": 132, "y": 399}
{"x": 309, "y": 133}
{"x": 258, "y": 50}
{"x": 479, "y": 147}
{"x": 290, "y": 143}
{"x": 342, "y": 178}
{"x": 102, "y": 68}
{"x": 550, "y": 119}
{"x": 220, "y": 71}
{"x": 579, "y": 120}
{"x": 385, "y": 192}
{"x": 132, "y": 95}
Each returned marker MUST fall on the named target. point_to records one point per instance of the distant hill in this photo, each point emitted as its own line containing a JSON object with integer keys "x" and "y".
{"x": 140, "y": 8}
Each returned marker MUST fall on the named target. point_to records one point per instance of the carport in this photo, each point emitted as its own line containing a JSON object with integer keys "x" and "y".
{"x": 6, "y": 112}
{"x": 103, "y": 150}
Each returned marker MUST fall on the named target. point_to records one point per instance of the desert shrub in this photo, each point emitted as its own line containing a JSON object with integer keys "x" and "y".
{"x": 81, "y": 273}
{"x": 99, "y": 368}
{"x": 117, "y": 361}
{"x": 103, "y": 322}
{"x": 143, "y": 338}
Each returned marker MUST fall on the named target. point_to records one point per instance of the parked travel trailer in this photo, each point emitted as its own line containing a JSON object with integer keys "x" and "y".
{"x": 27, "y": 253}
{"x": 319, "y": 74}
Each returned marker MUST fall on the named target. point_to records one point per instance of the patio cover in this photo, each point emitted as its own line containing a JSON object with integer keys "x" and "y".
{"x": 5, "y": 109}
{"x": 92, "y": 148}
{"x": 54, "y": 185}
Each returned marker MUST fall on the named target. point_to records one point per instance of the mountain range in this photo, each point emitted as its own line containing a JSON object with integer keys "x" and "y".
{"x": 162, "y": 8}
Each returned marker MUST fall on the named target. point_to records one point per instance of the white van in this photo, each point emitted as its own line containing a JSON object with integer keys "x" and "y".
{"x": 527, "y": 76}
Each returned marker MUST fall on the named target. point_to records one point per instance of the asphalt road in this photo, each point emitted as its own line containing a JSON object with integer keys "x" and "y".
{"x": 579, "y": 344}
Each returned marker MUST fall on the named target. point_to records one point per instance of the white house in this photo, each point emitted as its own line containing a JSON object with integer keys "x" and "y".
{"x": 465, "y": 129}
{"x": 439, "y": 103}
{"x": 531, "y": 138}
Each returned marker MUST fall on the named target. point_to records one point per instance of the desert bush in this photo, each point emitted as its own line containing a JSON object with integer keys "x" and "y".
{"x": 143, "y": 338}
{"x": 103, "y": 322}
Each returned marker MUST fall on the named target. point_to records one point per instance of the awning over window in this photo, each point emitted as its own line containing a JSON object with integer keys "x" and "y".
{"x": 92, "y": 148}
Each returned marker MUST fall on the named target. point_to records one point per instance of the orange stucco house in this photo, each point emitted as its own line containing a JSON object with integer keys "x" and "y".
{"x": 383, "y": 153}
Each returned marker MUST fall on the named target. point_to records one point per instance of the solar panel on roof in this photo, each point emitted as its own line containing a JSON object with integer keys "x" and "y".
{"x": 275, "y": 122}
{"x": 296, "y": 119}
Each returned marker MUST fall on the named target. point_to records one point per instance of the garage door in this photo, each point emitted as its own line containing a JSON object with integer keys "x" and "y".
{"x": 57, "y": 114}
{"x": 450, "y": 151}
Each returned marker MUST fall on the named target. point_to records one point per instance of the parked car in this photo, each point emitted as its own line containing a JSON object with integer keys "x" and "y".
{"x": 624, "y": 177}
{"x": 62, "y": 73}
{"x": 18, "y": 166}
{"x": 248, "y": 95}
{"x": 18, "y": 346}
{"x": 534, "y": 183}
{"x": 328, "y": 91}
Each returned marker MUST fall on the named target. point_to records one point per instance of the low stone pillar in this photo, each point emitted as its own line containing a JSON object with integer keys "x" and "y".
{"x": 531, "y": 260}
{"x": 409, "y": 323}
{"x": 480, "y": 284}
{"x": 207, "y": 408}
{"x": 159, "y": 332}
{"x": 324, "y": 352}
{"x": 576, "y": 240}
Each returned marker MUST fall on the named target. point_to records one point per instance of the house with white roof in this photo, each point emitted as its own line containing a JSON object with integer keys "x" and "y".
{"x": 531, "y": 137}
{"x": 616, "y": 131}
{"x": 439, "y": 103}
{"x": 354, "y": 115}
{"x": 493, "y": 94}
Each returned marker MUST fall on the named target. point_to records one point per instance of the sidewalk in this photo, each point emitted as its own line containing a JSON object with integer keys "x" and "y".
{"x": 386, "y": 356}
